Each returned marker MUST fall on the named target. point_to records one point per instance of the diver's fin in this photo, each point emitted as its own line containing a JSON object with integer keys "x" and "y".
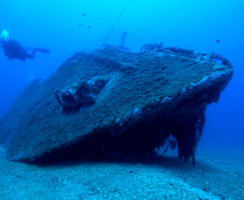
{"x": 42, "y": 50}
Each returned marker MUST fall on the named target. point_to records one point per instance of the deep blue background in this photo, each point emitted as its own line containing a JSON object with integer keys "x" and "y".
{"x": 194, "y": 24}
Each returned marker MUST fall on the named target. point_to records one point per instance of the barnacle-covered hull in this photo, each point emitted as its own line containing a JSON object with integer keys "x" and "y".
{"x": 146, "y": 98}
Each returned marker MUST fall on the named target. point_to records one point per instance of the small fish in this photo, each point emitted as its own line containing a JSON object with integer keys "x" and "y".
{"x": 72, "y": 30}
{"x": 98, "y": 18}
{"x": 88, "y": 26}
{"x": 84, "y": 14}
{"x": 217, "y": 41}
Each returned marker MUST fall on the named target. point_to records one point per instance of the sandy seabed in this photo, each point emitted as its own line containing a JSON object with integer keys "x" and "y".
{"x": 217, "y": 175}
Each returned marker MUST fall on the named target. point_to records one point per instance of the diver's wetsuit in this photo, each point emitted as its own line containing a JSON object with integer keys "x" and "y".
{"x": 13, "y": 49}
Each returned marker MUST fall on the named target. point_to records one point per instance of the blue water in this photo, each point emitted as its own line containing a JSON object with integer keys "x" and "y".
{"x": 66, "y": 27}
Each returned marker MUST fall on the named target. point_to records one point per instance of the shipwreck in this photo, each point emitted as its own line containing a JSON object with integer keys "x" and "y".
{"x": 110, "y": 102}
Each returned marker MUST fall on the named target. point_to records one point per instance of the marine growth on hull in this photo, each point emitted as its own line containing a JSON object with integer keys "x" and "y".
{"x": 114, "y": 103}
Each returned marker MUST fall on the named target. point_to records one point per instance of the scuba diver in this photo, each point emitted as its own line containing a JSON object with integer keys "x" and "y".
{"x": 14, "y": 50}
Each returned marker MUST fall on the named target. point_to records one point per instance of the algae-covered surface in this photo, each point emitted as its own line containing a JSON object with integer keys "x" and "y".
{"x": 136, "y": 82}
{"x": 213, "y": 177}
